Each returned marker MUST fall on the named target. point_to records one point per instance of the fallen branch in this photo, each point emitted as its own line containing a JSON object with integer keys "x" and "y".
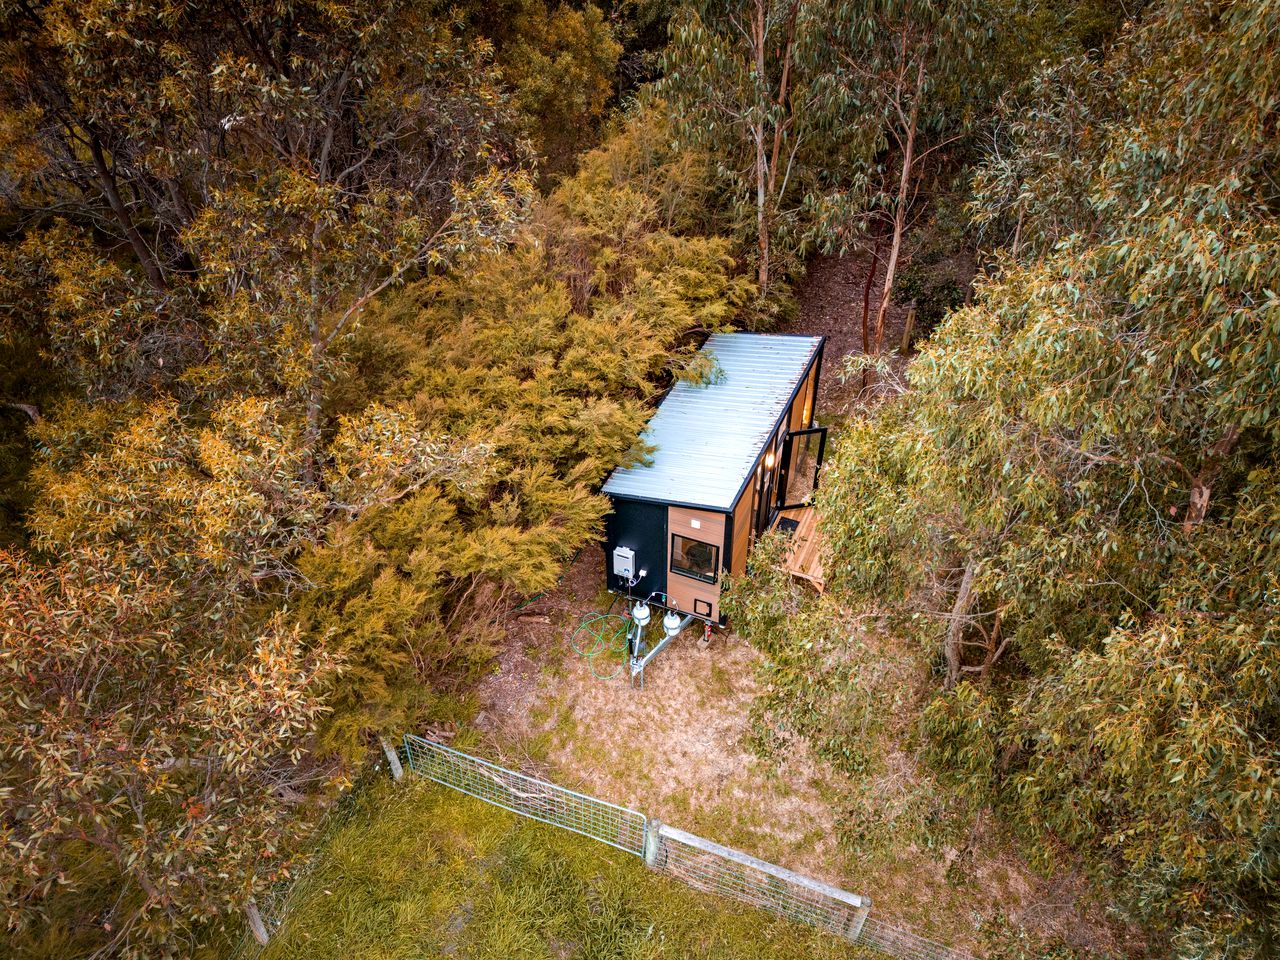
{"x": 30, "y": 409}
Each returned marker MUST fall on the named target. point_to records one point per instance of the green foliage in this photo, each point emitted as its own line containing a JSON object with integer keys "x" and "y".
{"x": 316, "y": 387}
{"x": 938, "y": 274}
{"x": 543, "y": 357}
{"x": 1159, "y": 749}
{"x": 1072, "y": 507}
{"x": 159, "y": 704}
{"x": 638, "y": 168}
{"x": 757, "y": 85}
{"x": 824, "y": 682}
{"x": 806, "y": 108}
{"x": 869, "y": 501}
{"x": 384, "y": 146}
{"x": 561, "y": 63}
{"x": 934, "y": 296}
{"x": 961, "y": 740}
{"x": 138, "y": 746}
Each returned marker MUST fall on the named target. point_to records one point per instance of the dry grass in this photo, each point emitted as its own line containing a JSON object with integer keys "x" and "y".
{"x": 679, "y": 750}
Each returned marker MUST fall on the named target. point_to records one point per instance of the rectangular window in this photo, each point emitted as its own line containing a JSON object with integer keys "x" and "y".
{"x": 693, "y": 558}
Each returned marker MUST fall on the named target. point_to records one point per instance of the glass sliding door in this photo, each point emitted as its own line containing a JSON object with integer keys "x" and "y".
{"x": 801, "y": 459}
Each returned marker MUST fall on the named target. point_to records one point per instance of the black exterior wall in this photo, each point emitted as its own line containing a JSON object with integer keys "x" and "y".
{"x": 641, "y": 526}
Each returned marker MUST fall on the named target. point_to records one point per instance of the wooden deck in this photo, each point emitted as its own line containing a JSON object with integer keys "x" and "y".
{"x": 804, "y": 559}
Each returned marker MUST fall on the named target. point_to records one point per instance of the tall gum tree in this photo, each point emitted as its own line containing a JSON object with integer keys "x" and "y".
{"x": 903, "y": 62}
{"x": 1073, "y": 507}
{"x": 749, "y": 81}
{"x": 205, "y": 199}
{"x": 344, "y": 146}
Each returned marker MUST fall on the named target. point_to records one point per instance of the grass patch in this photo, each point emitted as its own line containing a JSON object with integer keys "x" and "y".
{"x": 420, "y": 871}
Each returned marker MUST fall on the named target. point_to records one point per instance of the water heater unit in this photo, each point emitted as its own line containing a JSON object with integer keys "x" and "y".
{"x": 624, "y": 563}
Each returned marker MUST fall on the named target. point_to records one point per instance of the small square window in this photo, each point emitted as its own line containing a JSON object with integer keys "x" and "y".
{"x": 693, "y": 558}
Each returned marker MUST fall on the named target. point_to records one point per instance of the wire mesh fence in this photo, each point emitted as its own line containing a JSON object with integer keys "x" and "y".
{"x": 904, "y": 944}
{"x": 527, "y": 796}
{"x": 730, "y": 873}
{"x": 699, "y": 863}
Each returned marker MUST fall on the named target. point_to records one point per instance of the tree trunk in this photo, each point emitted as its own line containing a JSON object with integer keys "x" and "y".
{"x": 780, "y": 125}
{"x": 311, "y": 437}
{"x": 866, "y": 295}
{"x": 315, "y": 383}
{"x": 762, "y": 165}
{"x": 900, "y": 214}
{"x": 1202, "y": 484}
{"x": 107, "y": 182}
{"x": 762, "y": 226}
{"x": 30, "y": 409}
{"x": 959, "y": 616}
{"x": 995, "y": 646}
{"x": 866, "y": 305}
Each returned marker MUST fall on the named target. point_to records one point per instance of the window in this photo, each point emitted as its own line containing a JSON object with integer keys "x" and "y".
{"x": 693, "y": 558}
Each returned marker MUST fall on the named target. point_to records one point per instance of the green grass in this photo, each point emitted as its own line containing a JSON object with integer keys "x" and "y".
{"x": 420, "y": 871}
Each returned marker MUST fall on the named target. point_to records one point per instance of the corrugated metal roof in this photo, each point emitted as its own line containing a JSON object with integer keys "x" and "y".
{"x": 709, "y": 437}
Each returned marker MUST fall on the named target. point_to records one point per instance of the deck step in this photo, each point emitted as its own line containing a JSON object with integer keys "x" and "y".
{"x": 804, "y": 558}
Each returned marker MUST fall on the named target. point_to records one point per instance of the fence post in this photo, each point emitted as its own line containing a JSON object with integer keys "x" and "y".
{"x": 652, "y": 843}
{"x": 393, "y": 758}
{"x": 907, "y": 328}
{"x": 855, "y": 925}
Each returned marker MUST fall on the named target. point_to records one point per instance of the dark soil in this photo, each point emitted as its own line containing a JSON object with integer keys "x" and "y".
{"x": 831, "y": 298}
{"x": 834, "y": 294}
{"x": 537, "y": 630}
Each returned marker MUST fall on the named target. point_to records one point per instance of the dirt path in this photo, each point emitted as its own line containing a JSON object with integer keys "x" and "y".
{"x": 831, "y": 299}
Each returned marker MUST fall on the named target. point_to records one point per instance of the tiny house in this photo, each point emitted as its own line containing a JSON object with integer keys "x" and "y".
{"x": 728, "y": 457}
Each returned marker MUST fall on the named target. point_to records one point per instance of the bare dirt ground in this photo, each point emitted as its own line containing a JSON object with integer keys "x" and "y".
{"x": 679, "y": 749}
{"x": 831, "y": 299}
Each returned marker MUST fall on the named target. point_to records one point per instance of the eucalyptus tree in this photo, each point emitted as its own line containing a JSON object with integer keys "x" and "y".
{"x": 202, "y": 201}
{"x": 914, "y": 69}
{"x": 751, "y": 82}
{"x": 155, "y": 727}
{"x": 1073, "y": 507}
{"x": 257, "y": 172}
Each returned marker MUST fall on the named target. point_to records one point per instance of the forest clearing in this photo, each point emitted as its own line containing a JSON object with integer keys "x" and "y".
{"x": 837, "y": 436}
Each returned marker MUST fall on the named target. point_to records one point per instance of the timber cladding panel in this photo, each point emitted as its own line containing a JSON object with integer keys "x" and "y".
{"x": 691, "y": 595}
{"x": 741, "y": 532}
{"x": 803, "y": 403}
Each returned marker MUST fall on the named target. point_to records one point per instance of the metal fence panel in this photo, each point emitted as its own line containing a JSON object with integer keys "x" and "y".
{"x": 716, "y": 869}
{"x": 904, "y": 944}
{"x": 699, "y": 863}
{"x": 527, "y": 796}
